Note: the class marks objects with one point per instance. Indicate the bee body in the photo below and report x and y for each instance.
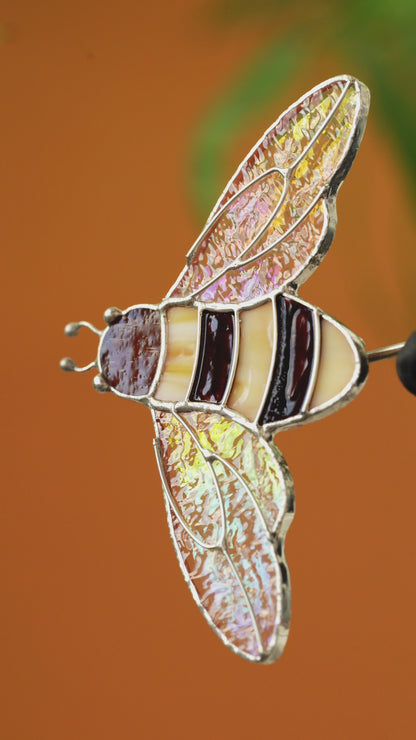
(232, 355)
(273, 364)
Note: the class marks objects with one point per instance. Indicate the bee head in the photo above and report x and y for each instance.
(128, 351)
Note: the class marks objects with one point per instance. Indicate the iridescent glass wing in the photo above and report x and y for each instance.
(276, 218)
(229, 501)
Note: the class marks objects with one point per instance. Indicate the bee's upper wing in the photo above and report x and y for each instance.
(276, 217)
(229, 500)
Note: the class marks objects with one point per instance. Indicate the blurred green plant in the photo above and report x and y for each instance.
(233, 111)
(375, 39)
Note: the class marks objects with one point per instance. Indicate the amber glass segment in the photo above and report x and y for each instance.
(293, 362)
(130, 351)
(337, 364)
(215, 356)
(182, 341)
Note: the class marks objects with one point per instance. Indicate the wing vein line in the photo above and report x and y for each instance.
(236, 264)
(246, 487)
(288, 175)
(247, 600)
(287, 233)
(267, 224)
(224, 545)
(236, 261)
(193, 436)
(239, 262)
(218, 215)
(347, 80)
(173, 504)
(321, 129)
(228, 465)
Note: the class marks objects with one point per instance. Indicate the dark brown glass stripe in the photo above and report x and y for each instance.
(293, 362)
(215, 356)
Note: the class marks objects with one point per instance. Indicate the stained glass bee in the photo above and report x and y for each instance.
(232, 356)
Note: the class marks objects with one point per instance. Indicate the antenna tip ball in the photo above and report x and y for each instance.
(100, 385)
(72, 329)
(67, 364)
(406, 364)
(111, 315)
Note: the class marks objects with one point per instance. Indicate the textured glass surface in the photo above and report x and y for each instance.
(251, 552)
(190, 481)
(238, 584)
(233, 231)
(291, 237)
(284, 143)
(217, 589)
(252, 458)
(130, 351)
(274, 269)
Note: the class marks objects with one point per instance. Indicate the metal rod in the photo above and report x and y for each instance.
(69, 365)
(384, 352)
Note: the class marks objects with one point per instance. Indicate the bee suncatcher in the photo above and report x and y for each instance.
(232, 356)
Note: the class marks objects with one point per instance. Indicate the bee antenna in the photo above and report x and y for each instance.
(69, 365)
(72, 329)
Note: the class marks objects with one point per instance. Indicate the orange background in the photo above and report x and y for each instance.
(101, 638)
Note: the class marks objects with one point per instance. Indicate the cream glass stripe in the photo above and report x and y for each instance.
(336, 365)
(254, 360)
(182, 333)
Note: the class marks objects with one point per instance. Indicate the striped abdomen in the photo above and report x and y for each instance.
(269, 363)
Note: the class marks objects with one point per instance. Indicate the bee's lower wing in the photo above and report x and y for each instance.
(276, 218)
(229, 500)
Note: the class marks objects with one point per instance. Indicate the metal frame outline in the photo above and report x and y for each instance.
(275, 537)
(327, 193)
(264, 433)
